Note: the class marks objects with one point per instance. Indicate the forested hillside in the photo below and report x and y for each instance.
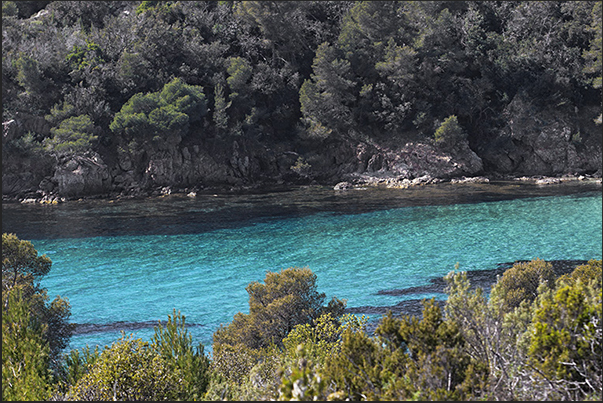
(129, 97)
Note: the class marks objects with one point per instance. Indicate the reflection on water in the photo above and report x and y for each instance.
(128, 263)
(179, 214)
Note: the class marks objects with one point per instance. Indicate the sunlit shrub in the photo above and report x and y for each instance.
(520, 283)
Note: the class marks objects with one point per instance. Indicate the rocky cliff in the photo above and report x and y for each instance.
(540, 140)
(534, 140)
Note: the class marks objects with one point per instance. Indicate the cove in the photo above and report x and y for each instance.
(127, 264)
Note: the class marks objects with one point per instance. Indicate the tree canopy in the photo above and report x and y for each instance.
(292, 71)
(34, 331)
(286, 299)
(537, 336)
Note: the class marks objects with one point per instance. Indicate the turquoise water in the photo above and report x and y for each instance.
(141, 278)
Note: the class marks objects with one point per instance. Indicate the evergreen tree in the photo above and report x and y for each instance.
(25, 352)
(22, 270)
(287, 298)
(175, 345)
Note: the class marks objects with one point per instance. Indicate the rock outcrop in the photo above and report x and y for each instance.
(79, 175)
(372, 163)
(22, 124)
(534, 141)
(539, 140)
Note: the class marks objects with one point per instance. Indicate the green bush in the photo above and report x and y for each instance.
(156, 115)
(128, 370)
(288, 298)
(25, 352)
(565, 345)
(450, 132)
(322, 337)
(81, 57)
(591, 271)
(175, 345)
(521, 282)
(75, 134)
(74, 366)
(22, 270)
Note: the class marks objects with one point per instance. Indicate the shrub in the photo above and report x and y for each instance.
(175, 345)
(73, 135)
(565, 346)
(322, 338)
(25, 352)
(521, 282)
(22, 269)
(74, 366)
(128, 370)
(159, 114)
(585, 273)
(450, 132)
(287, 298)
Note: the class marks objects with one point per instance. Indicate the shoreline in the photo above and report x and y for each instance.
(360, 182)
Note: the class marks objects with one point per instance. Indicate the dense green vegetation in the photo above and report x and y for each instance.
(131, 79)
(112, 76)
(535, 337)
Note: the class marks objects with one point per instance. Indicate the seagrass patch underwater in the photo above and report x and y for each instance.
(129, 264)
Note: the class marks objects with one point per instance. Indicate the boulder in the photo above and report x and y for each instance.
(343, 186)
(81, 175)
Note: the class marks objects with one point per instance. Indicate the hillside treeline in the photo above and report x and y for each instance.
(535, 336)
(128, 79)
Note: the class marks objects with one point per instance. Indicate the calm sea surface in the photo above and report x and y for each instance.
(129, 263)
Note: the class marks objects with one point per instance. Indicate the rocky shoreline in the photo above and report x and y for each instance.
(404, 183)
(358, 182)
(535, 145)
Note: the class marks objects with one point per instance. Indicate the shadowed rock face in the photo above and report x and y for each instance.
(478, 278)
(532, 140)
(539, 140)
(81, 175)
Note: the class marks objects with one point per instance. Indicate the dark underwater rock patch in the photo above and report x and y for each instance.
(478, 278)
(94, 328)
(412, 307)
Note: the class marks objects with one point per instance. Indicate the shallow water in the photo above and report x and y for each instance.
(132, 262)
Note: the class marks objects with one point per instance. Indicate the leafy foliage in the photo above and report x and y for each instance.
(73, 135)
(159, 114)
(297, 73)
(544, 348)
(304, 382)
(250, 351)
(175, 345)
(128, 370)
(521, 282)
(74, 366)
(288, 298)
(168, 367)
(542, 341)
(22, 270)
(321, 338)
(450, 132)
(25, 352)
(566, 346)
(591, 271)
(82, 57)
(21, 264)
